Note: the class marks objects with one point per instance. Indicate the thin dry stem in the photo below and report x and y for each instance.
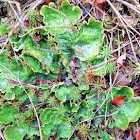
(133, 7)
(136, 3)
(30, 101)
(84, 8)
(122, 21)
(1, 135)
(110, 79)
(32, 7)
(16, 14)
(14, 2)
(105, 116)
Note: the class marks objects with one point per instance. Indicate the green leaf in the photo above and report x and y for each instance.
(64, 17)
(48, 58)
(17, 132)
(10, 70)
(123, 91)
(10, 96)
(38, 56)
(8, 113)
(64, 93)
(105, 136)
(74, 138)
(50, 128)
(35, 65)
(12, 132)
(20, 94)
(74, 107)
(18, 42)
(84, 111)
(88, 41)
(121, 120)
(64, 130)
(85, 43)
(5, 85)
(127, 113)
(47, 115)
(67, 15)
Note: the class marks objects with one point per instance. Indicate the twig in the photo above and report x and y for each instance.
(124, 45)
(36, 28)
(131, 56)
(110, 79)
(102, 102)
(135, 98)
(138, 131)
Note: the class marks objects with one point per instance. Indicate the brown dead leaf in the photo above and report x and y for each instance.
(47, 2)
(118, 100)
(131, 20)
(122, 80)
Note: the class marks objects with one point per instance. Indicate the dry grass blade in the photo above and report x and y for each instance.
(32, 7)
(133, 7)
(1, 135)
(136, 3)
(84, 8)
(123, 21)
(9, 35)
(14, 2)
(39, 125)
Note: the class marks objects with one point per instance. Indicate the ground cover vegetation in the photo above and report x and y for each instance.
(69, 70)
